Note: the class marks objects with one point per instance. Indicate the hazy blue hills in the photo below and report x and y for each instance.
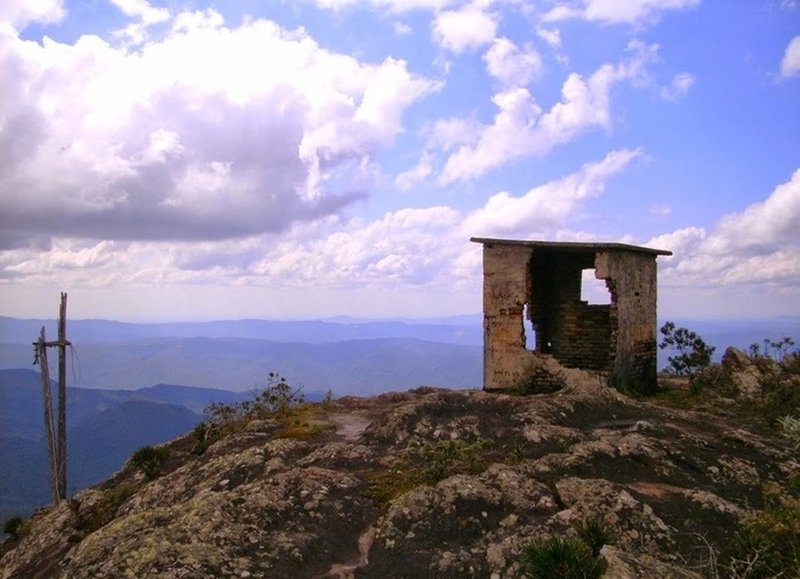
(345, 355)
(106, 425)
(361, 367)
(97, 447)
(104, 428)
(191, 397)
(100, 444)
(21, 401)
(24, 484)
(465, 330)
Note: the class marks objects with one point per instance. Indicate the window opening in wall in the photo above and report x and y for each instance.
(594, 291)
(529, 329)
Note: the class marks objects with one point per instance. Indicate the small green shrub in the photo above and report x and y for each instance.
(385, 485)
(150, 460)
(790, 427)
(564, 557)
(426, 463)
(106, 509)
(203, 437)
(692, 354)
(781, 391)
(777, 350)
(445, 458)
(13, 527)
(277, 396)
(594, 534)
(561, 558)
(273, 399)
(767, 543)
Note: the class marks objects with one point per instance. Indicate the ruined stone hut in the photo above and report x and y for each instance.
(534, 309)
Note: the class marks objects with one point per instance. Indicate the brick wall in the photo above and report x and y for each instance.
(577, 334)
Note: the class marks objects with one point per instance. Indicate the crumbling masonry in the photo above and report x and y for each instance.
(541, 281)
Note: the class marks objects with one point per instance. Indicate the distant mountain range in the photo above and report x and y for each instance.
(362, 367)
(348, 357)
(465, 330)
(105, 428)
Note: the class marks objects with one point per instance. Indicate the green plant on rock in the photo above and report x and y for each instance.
(445, 458)
(302, 422)
(13, 527)
(767, 543)
(594, 534)
(277, 396)
(777, 350)
(790, 427)
(781, 391)
(692, 354)
(386, 484)
(220, 419)
(425, 463)
(561, 558)
(150, 460)
(106, 509)
(566, 557)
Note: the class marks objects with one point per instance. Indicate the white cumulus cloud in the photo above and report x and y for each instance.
(616, 11)
(790, 64)
(20, 13)
(760, 244)
(551, 36)
(142, 9)
(463, 29)
(547, 206)
(521, 129)
(413, 247)
(207, 133)
(763, 226)
(511, 65)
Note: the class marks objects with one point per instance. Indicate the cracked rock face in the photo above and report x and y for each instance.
(428, 483)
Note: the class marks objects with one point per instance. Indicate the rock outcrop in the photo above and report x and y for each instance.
(744, 375)
(427, 483)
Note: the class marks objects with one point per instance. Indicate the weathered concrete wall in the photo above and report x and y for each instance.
(505, 292)
(634, 277)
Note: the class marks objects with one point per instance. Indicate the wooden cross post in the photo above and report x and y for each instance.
(56, 444)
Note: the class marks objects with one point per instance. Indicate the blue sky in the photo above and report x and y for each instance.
(192, 160)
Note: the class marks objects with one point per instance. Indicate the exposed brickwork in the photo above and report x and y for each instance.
(576, 333)
(617, 339)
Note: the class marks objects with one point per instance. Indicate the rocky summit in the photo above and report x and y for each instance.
(426, 483)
